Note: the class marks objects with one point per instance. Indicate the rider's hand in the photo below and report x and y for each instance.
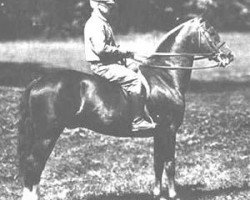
(125, 53)
(129, 54)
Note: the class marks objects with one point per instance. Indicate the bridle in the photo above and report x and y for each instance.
(202, 31)
(216, 47)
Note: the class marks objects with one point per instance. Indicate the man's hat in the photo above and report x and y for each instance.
(103, 1)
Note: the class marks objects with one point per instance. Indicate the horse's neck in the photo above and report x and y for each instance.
(181, 78)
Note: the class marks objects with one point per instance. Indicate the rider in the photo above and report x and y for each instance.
(107, 60)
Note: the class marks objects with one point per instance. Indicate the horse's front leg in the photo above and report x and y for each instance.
(164, 155)
(158, 162)
(170, 162)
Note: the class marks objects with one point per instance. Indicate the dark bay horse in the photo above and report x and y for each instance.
(68, 98)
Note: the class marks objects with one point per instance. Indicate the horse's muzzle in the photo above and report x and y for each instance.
(224, 57)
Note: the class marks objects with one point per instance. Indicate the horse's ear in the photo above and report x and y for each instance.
(198, 21)
(201, 19)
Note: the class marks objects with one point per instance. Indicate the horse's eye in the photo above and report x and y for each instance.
(212, 34)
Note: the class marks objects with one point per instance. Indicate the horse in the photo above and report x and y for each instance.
(68, 98)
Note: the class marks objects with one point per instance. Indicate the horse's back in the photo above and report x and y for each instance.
(71, 96)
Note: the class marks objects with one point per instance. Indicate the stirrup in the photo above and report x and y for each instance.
(148, 115)
(142, 124)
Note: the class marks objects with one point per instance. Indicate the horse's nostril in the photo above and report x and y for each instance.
(231, 56)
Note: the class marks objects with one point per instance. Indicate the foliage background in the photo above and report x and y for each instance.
(25, 19)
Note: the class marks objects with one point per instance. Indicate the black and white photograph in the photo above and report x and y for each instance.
(124, 99)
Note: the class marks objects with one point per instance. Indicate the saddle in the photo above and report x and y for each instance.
(144, 83)
(146, 88)
(135, 67)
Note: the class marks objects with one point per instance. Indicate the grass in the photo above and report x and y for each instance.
(213, 157)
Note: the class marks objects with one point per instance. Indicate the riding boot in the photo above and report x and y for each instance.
(138, 109)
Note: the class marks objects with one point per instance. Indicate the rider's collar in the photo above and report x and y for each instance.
(97, 13)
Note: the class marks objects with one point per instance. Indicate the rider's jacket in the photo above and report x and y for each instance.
(99, 40)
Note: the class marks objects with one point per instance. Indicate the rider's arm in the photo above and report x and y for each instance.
(99, 43)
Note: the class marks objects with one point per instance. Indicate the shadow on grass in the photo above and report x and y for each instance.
(192, 192)
(189, 192)
(133, 196)
(21, 74)
(197, 86)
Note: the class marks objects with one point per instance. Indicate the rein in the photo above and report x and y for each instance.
(200, 56)
(187, 68)
(173, 67)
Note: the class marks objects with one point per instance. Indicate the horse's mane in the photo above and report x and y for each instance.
(169, 38)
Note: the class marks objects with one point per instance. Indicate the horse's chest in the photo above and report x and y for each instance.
(167, 102)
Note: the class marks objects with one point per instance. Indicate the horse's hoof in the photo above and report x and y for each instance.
(31, 195)
(174, 198)
(156, 192)
(172, 195)
(160, 198)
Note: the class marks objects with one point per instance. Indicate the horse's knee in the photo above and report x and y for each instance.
(170, 167)
(31, 162)
(169, 164)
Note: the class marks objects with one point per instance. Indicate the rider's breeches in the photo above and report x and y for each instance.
(128, 79)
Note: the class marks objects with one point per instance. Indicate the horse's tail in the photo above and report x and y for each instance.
(25, 127)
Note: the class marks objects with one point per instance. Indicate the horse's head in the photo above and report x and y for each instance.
(196, 36)
(208, 41)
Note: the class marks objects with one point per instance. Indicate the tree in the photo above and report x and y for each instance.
(66, 18)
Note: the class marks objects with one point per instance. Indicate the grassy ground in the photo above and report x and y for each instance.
(213, 156)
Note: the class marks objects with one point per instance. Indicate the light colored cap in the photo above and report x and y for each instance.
(104, 1)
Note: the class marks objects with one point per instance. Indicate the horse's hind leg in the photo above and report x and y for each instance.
(35, 147)
(164, 156)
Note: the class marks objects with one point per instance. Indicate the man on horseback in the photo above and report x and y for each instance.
(107, 60)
